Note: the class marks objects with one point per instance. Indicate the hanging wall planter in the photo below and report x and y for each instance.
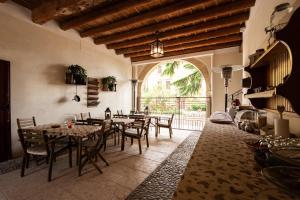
(76, 74)
(109, 83)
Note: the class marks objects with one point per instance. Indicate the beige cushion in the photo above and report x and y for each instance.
(165, 124)
(37, 150)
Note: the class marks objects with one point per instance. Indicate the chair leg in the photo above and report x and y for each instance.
(104, 142)
(140, 146)
(147, 140)
(123, 143)
(131, 141)
(51, 165)
(96, 166)
(70, 156)
(23, 165)
(102, 158)
(115, 138)
(170, 131)
(27, 160)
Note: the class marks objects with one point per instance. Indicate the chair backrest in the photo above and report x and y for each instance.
(26, 122)
(77, 117)
(171, 120)
(85, 116)
(147, 125)
(30, 139)
(139, 124)
(106, 125)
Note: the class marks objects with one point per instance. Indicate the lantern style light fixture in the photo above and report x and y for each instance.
(157, 48)
(107, 113)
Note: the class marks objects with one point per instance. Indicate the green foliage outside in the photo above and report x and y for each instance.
(189, 85)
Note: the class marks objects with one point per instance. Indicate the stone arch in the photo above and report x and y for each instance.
(197, 63)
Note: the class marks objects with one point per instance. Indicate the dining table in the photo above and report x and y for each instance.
(54, 131)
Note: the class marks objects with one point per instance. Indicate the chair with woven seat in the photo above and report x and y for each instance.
(135, 132)
(92, 147)
(38, 144)
(168, 124)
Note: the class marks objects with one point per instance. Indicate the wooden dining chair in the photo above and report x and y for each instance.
(135, 132)
(38, 144)
(168, 124)
(92, 147)
(85, 116)
(26, 122)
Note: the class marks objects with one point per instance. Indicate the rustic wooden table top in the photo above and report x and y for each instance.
(222, 167)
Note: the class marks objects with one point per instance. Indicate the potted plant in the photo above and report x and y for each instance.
(109, 83)
(76, 75)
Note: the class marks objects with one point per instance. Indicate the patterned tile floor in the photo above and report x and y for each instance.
(127, 170)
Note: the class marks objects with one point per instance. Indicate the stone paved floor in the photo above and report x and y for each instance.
(127, 170)
(165, 177)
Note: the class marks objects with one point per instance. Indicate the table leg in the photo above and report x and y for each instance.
(156, 127)
(51, 160)
(79, 149)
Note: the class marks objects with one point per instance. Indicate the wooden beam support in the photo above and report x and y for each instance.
(48, 10)
(100, 13)
(187, 51)
(185, 31)
(147, 16)
(182, 40)
(214, 41)
(218, 11)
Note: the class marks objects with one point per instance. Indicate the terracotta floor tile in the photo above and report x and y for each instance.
(126, 171)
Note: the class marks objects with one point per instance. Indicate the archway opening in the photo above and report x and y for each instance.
(177, 87)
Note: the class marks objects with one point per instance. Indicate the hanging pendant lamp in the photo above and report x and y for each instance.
(157, 48)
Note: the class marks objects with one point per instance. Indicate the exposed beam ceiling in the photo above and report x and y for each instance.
(48, 10)
(218, 40)
(185, 31)
(102, 12)
(163, 11)
(194, 29)
(194, 50)
(218, 11)
(130, 26)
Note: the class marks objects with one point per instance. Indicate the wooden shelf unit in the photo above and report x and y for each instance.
(268, 56)
(279, 68)
(265, 94)
(92, 92)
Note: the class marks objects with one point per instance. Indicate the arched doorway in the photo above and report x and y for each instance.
(178, 87)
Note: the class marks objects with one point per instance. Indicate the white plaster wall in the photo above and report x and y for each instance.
(39, 56)
(254, 38)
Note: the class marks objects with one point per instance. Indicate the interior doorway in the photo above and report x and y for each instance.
(5, 121)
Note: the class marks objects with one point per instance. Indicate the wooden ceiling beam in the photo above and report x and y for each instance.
(198, 28)
(218, 11)
(100, 13)
(48, 10)
(187, 51)
(182, 40)
(214, 41)
(147, 16)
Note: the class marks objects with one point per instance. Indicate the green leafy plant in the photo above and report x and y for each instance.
(109, 83)
(79, 74)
